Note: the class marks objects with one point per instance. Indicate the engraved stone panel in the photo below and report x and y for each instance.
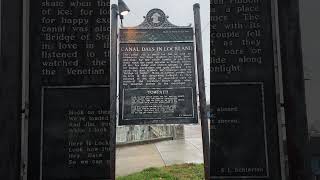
(242, 53)
(70, 133)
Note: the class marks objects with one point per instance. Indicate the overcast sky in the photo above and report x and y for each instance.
(180, 13)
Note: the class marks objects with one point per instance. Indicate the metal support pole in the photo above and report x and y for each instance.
(113, 81)
(294, 91)
(277, 69)
(202, 95)
(25, 90)
(0, 28)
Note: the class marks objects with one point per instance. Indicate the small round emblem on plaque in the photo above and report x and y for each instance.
(156, 17)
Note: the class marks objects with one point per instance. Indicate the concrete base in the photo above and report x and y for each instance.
(131, 159)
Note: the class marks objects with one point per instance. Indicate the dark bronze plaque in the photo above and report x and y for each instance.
(70, 132)
(157, 73)
(157, 83)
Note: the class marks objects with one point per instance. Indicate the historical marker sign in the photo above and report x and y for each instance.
(70, 132)
(157, 72)
(244, 125)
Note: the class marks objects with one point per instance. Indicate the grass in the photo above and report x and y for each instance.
(175, 172)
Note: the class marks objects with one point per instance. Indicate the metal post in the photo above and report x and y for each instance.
(0, 28)
(25, 90)
(277, 66)
(294, 91)
(202, 95)
(113, 81)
